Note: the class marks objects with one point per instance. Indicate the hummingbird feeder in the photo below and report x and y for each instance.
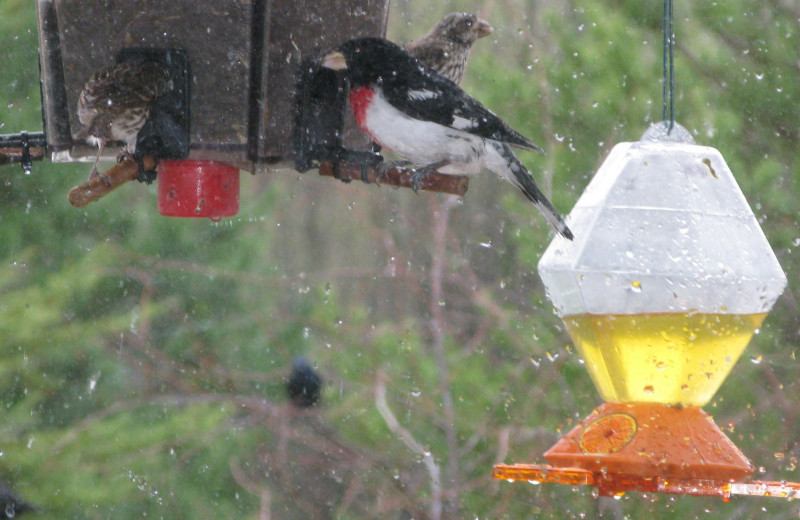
(668, 278)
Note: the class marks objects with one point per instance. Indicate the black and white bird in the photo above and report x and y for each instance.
(446, 47)
(304, 385)
(427, 119)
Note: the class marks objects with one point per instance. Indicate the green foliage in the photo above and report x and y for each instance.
(143, 359)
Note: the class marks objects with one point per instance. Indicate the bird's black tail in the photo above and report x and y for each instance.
(515, 172)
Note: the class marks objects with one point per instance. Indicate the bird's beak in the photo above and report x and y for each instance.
(483, 28)
(334, 60)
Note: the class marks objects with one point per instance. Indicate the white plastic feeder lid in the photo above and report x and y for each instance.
(662, 227)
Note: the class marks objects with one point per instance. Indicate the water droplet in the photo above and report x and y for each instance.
(93, 381)
(636, 286)
(756, 360)
(648, 389)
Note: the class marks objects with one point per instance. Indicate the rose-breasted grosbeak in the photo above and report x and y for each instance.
(446, 47)
(304, 385)
(427, 119)
(116, 101)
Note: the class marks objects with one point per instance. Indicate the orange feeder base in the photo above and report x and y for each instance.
(648, 447)
(650, 439)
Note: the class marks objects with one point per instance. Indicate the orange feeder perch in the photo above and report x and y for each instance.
(668, 278)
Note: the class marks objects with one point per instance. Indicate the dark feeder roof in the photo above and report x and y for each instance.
(243, 59)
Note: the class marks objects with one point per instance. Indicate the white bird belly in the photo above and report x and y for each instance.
(423, 142)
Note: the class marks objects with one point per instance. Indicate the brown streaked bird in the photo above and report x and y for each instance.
(447, 45)
(115, 103)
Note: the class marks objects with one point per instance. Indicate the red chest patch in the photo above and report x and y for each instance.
(360, 99)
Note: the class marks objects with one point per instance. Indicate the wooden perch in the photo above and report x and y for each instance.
(15, 155)
(127, 170)
(454, 184)
(101, 185)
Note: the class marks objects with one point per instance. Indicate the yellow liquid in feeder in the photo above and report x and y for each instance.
(662, 358)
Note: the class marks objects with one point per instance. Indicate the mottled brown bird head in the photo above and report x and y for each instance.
(464, 28)
(446, 47)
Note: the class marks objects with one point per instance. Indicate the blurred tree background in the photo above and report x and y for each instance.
(143, 359)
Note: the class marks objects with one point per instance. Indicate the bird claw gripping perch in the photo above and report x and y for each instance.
(422, 173)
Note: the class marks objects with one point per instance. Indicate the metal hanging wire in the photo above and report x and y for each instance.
(669, 68)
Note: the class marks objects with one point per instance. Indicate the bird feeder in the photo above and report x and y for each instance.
(668, 278)
(240, 62)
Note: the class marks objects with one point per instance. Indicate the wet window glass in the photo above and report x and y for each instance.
(221, 297)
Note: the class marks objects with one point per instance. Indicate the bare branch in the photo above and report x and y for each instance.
(437, 324)
(411, 443)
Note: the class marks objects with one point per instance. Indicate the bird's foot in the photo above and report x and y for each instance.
(124, 155)
(144, 175)
(93, 175)
(339, 154)
(386, 166)
(419, 174)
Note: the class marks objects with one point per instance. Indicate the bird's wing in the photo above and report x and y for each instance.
(427, 52)
(428, 96)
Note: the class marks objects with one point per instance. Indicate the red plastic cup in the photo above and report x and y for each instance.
(197, 189)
